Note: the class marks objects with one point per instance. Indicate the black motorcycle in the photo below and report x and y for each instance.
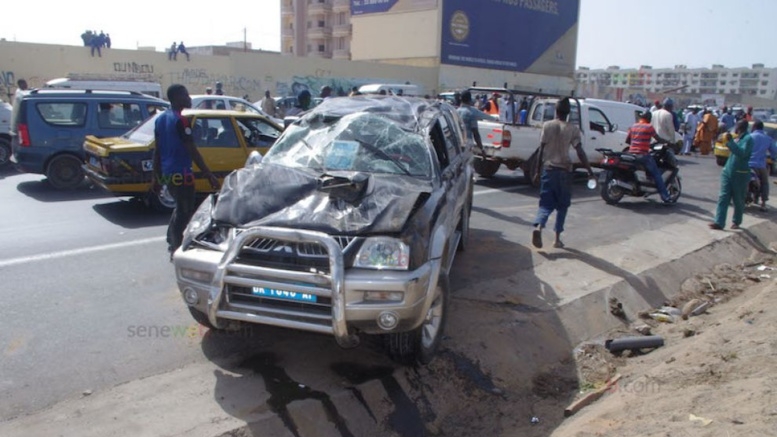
(623, 175)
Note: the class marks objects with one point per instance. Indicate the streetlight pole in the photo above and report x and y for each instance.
(245, 43)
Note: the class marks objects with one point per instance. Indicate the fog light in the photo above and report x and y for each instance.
(388, 320)
(384, 296)
(191, 296)
(197, 275)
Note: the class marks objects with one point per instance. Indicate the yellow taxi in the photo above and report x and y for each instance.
(124, 165)
(722, 152)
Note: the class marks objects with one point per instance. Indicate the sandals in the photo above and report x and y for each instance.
(715, 226)
(536, 238)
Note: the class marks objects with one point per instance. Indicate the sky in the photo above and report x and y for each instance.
(628, 33)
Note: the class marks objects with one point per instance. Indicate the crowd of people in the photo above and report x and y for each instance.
(96, 41)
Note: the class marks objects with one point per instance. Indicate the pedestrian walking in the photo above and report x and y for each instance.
(763, 144)
(734, 178)
(691, 123)
(706, 132)
(268, 104)
(469, 117)
(557, 137)
(173, 156)
(727, 119)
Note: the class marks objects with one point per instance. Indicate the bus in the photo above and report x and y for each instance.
(148, 88)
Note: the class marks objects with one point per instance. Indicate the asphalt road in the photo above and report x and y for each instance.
(87, 290)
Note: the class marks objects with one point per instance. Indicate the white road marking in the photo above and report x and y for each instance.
(499, 190)
(81, 251)
(104, 247)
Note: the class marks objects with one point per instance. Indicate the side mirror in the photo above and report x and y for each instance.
(254, 158)
(613, 127)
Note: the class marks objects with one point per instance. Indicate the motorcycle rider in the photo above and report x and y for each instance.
(638, 139)
(762, 144)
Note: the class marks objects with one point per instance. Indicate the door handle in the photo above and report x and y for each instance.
(593, 138)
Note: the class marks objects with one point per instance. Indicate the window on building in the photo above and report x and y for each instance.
(765, 75)
(735, 74)
(763, 91)
(291, 49)
(764, 82)
(321, 23)
(321, 48)
(341, 18)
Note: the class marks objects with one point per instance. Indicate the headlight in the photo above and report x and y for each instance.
(199, 223)
(383, 253)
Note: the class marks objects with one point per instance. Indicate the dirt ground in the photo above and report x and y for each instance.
(716, 375)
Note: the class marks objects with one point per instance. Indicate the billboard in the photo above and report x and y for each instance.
(363, 7)
(531, 36)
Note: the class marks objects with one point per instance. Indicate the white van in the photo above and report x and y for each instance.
(624, 115)
(148, 88)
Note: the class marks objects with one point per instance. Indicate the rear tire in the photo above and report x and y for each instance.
(420, 344)
(610, 192)
(64, 172)
(485, 168)
(161, 201)
(531, 171)
(5, 152)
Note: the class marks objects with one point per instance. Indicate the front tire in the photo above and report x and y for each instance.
(64, 172)
(675, 189)
(162, 201)
(485, 168)
(611, 192)
(420, 344)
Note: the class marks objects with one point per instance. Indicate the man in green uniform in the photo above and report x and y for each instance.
(734, 178)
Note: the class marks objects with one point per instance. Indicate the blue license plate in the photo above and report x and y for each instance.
(283, 295)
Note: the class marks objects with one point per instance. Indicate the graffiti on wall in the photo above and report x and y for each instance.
(197, 79)
(7, 83)
(133, 68)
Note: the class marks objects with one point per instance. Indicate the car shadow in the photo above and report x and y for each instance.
(131, 214)
(8, 171)
(42, 191)
(504, 350)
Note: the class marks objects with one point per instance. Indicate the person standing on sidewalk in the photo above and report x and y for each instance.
(734, 178)
(556, 182)
(173, 156)
(691, 122)
(762, 145)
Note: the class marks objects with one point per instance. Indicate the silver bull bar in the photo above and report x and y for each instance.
(242, 272)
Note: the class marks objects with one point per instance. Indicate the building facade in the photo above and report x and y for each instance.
(735, 84)
(316, 28)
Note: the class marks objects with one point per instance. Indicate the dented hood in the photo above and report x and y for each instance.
(340, 203)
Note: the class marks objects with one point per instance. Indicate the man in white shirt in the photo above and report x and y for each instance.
(663, 120)
(22, 86)
(268, 104)
(691, 121)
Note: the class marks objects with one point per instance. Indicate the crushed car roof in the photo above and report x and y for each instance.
(410, 113)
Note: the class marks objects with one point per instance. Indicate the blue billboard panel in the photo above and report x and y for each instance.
(508, 34)
(359, 7)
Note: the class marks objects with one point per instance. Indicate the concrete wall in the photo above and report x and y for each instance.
(241, 72)
(452, 77)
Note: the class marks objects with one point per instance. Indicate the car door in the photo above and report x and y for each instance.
(451, 163)
(221, 148)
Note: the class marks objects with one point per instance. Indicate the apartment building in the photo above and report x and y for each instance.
(316, 28)
(756, 81)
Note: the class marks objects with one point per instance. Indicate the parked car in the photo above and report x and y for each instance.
(5, 133)
(722, 153)
(348, 226)
(283, 104)
(214, 101)
(51, 124)
(123, 165)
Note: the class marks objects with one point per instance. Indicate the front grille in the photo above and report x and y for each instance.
(281, 268)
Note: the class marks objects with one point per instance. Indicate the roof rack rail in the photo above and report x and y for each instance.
(87, 91)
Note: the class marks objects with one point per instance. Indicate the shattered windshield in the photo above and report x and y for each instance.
(361, 141)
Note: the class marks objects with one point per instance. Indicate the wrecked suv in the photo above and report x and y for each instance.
(349, 225)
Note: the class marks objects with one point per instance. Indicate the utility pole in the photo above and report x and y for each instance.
(245, 43)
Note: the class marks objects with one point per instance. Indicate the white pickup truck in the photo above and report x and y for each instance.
(515, 145)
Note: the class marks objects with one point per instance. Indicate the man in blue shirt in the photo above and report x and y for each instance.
(173, 156)
(470, 116)
(727, 118)
(762, 144)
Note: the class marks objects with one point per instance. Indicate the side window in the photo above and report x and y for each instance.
(537, 113)
(258, 133)
(242, 107)
(118, 115)
(451, 142)
(63, 114)
(549, 112)
(598, 120)
(636, 116)
(214, 132)
(154, 109)
(440, 149)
